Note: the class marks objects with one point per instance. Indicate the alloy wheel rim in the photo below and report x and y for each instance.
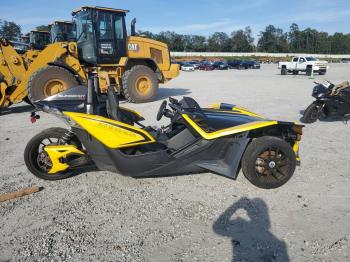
(272, 164)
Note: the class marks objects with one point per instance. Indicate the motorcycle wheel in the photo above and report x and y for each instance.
(36, 158)
(268, 162)
(311, 114)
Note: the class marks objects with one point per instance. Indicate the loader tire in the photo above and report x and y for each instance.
(49, 81)
(140, 84)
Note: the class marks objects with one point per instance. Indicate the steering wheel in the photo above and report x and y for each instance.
(161, 110)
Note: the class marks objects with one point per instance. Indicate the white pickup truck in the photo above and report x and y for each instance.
(303, 64)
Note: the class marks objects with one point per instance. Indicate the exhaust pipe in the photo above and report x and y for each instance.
(133, 30)
(90, 97)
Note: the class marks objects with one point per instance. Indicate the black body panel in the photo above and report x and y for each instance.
(220, 156)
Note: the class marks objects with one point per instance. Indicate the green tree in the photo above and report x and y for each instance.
(242, 41)
(219, 42)
(10, 30)
(273, 40)
(174, 41)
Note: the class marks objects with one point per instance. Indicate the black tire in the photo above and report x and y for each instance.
(38, 81)
(312, 113)
(283, 71)
(32, 151)
(322, 73)
(263, 152)
(309, 71)
(129, 85)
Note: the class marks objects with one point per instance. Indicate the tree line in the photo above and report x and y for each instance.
(271, 40)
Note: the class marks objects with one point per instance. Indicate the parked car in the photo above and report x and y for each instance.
(195, 64)
(187, 67)
(303, 64)
(220, 65)
(178, 62)
(250, 64)
(234, 64)
(206, 66)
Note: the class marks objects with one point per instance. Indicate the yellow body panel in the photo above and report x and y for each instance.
(139, 47)
(173, 72)
(296, 150)
(58, 152)
(111, 133)
(230, 130)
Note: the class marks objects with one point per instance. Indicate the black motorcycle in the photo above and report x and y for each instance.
(331, 101)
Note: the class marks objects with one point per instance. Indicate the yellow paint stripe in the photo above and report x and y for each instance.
(215, 106)
(246, 112)
(230, 130)
(132, 111)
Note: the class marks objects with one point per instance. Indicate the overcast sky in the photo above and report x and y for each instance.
(194, 16)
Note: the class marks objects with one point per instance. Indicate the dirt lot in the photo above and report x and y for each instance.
(204, 217)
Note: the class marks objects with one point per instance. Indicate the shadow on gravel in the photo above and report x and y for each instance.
(16, 110)
(247, 223)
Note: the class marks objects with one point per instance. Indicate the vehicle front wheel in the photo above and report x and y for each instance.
(36, 158)
(312, 113)
(140, 84)
(268, 162)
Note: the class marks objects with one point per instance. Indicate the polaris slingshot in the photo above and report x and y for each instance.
(221, 139)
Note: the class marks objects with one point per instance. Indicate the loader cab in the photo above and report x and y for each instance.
(101, 34)
(62, 31)
(38, 40)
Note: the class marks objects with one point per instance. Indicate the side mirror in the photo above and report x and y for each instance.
(133, 30)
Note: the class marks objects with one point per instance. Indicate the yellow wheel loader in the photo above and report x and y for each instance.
(133, 65)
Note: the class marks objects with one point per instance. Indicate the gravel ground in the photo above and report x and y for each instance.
(202, 217)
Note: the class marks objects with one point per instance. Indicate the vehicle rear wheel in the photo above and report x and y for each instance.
(309, 71)
(140, 84)
(48, 81)
(321, 73)
(36, 158)
(268, 162)
(283, 71)
(312, 113)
